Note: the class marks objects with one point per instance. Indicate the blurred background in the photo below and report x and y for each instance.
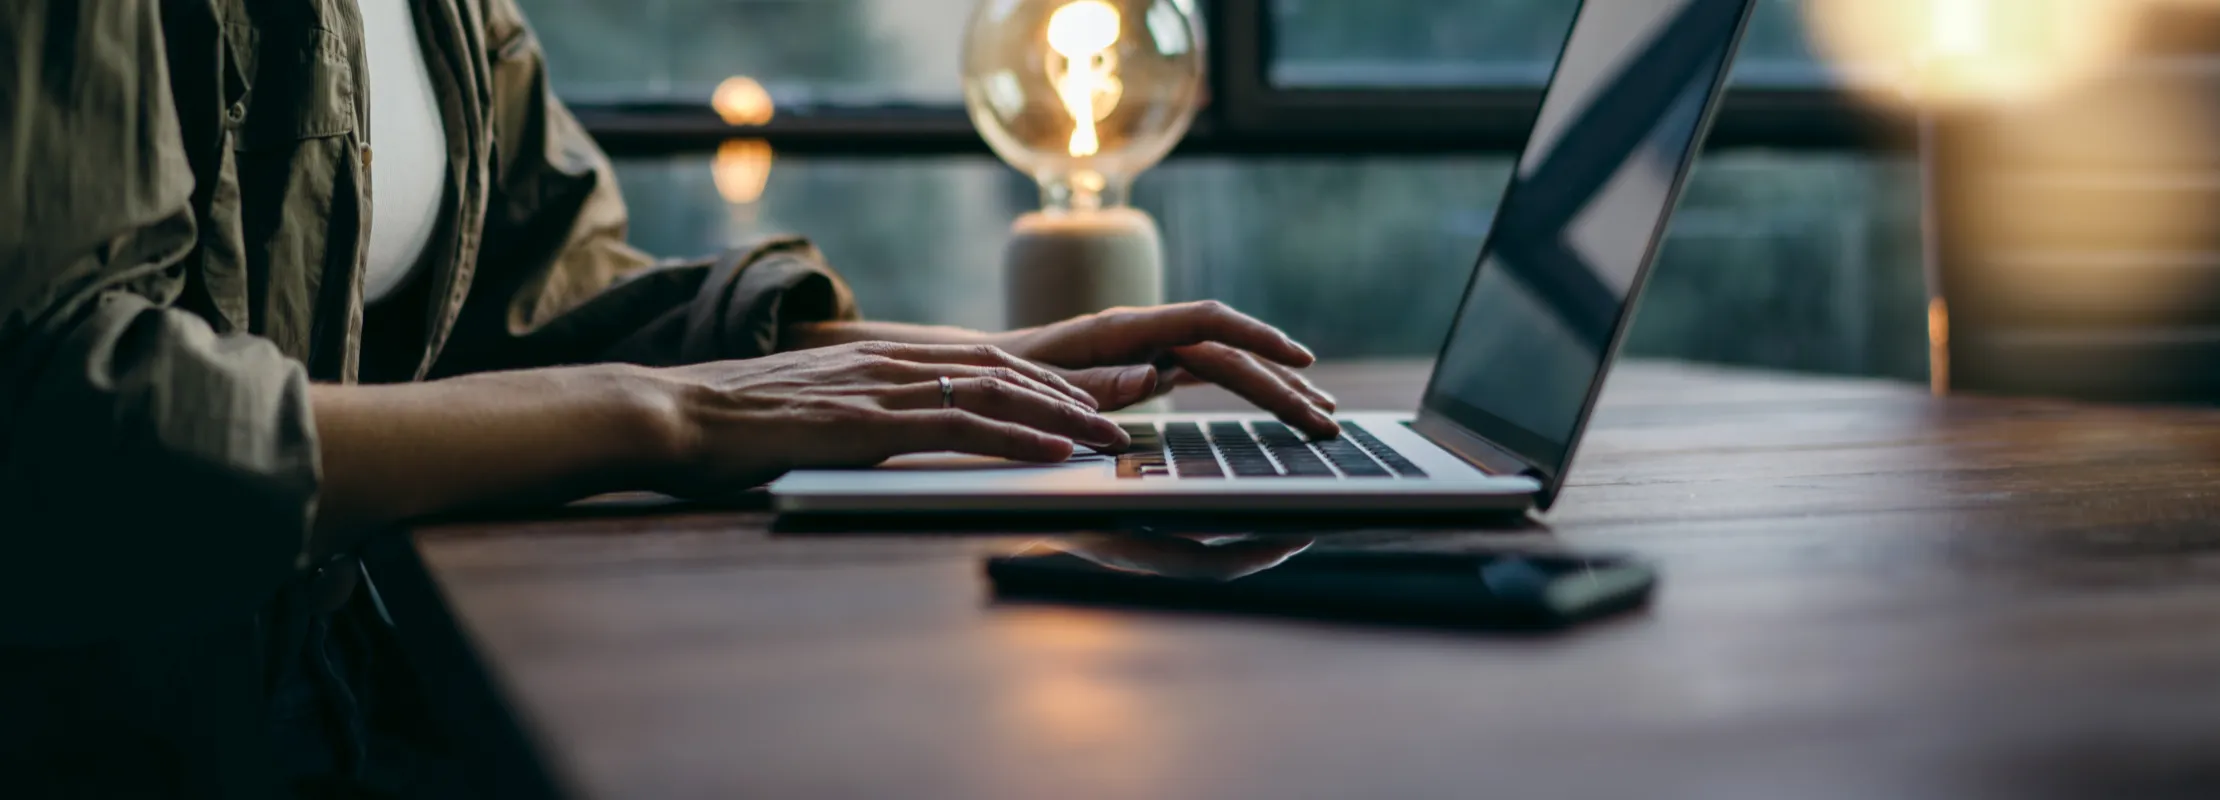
(1339, 185)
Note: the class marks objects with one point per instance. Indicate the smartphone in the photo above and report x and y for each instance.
(1501, 590)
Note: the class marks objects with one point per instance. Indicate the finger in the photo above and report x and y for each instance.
(1144, 330)
(1011, 402)
(911, 372)
(1173, 378)
(1240, 373)
(957, 430)
(1116, 387)
(990, 356)
(1293, 377)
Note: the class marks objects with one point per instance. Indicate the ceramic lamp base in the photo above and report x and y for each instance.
(1069, 264)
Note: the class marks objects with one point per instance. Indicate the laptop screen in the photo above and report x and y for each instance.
(1581, 218)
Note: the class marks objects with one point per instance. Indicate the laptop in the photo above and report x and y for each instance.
(1544, 311)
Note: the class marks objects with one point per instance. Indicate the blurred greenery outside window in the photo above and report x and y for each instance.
(1796, 260)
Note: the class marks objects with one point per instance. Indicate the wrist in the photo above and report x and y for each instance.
(1017, 343)
(649, 411)
(811, 335)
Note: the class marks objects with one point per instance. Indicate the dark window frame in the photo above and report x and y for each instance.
(1250, 116)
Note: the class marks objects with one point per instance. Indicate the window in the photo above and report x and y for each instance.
(1405, 44)
(807, 52)
(1785, 254)
(863, 51)
(1794, 261)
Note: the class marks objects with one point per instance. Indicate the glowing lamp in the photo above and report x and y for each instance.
(742, 167)
(1949, 53)
(1082, 95)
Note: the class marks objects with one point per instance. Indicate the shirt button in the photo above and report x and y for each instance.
(237, 113)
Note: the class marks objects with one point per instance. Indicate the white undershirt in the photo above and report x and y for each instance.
(408, 141)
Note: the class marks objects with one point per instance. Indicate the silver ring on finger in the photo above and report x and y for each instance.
(947, 392)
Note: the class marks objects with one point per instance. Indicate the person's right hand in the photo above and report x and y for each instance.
(742, 423)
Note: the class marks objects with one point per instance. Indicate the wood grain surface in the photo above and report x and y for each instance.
(1867, 592)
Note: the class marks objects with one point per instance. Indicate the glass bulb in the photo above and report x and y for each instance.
(1083, 95)
(1971, 52)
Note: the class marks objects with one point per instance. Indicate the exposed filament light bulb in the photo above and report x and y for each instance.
(1940, 54)
(1961, 27)
(1084, 68)
(1082, 96)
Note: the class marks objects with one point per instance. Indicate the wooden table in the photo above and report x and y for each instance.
(1868, 593)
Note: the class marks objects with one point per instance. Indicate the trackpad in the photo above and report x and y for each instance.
(961, 462)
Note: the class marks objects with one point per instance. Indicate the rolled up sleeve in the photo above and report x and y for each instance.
(154, 475)
(736, 305)
(558, 284)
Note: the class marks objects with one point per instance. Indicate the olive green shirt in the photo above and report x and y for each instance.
(183, 208)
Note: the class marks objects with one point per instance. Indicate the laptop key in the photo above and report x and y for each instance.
(1401, 465)
(1351, 460)
(1274, 433)
(1291, 456)
(1199, 472)
(1135, 469)
(1185, 455)
(1263, 449)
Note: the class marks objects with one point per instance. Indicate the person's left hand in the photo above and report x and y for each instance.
(1124, 356)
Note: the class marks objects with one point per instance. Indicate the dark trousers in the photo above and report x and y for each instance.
(352, 719)
(310, 698)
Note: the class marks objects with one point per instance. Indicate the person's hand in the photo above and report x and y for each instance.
(1124, 356)
(741, 423)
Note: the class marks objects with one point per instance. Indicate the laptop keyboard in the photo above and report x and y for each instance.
(1238, 450)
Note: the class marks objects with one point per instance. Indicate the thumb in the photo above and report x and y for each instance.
(1116, 387)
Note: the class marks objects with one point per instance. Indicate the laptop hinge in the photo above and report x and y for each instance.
(1476, 450)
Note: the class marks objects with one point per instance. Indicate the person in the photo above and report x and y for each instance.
(277, 274)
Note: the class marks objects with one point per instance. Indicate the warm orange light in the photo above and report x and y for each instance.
(1051, 630)
(1955, 52)
(1084, 68)
(1062, 694)
(1938, 323)
(2081, 200)
(1938, 346)
(740, 100)
(742, 169)
(1083, 93)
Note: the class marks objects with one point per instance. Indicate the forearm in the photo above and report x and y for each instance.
(495, 440)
